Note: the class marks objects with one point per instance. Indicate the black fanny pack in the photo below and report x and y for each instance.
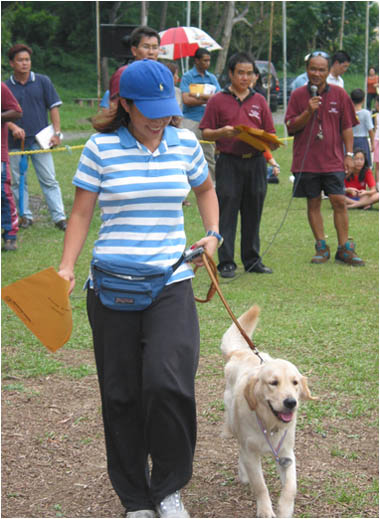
(130, 286)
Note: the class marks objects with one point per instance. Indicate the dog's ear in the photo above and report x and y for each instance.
(305, 391)
(249, 393)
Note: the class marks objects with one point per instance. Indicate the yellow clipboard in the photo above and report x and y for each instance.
(42, 303)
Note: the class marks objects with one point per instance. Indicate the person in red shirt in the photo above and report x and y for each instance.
(372, 86)
(10, 111)
(241, 171)
(321, 117)
(357, 195)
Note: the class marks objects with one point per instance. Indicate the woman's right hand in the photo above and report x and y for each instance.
(68, 274)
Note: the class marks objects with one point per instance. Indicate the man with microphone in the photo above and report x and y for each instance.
(321, 117)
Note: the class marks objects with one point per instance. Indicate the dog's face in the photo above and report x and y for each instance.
(276, 390)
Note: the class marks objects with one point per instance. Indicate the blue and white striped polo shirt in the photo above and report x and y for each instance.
(141, 195)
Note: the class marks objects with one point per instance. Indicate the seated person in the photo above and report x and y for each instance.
(357, 196)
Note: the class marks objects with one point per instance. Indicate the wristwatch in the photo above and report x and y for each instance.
(349, 154)
(59, 134)
(217, 236)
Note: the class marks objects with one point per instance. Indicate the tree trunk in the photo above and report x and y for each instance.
(216, 33)
(226, 38)
(164, 12)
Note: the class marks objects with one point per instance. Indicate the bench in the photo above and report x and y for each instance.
(90, 101)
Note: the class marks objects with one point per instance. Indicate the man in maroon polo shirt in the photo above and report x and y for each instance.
(241, 171)
(321, 117)
(145, 44)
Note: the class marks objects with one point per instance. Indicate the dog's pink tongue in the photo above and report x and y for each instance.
(286, 417)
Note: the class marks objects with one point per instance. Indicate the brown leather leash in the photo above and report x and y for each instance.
(214, 287)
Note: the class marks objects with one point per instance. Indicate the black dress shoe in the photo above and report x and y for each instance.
(227, 270)
(260, 269)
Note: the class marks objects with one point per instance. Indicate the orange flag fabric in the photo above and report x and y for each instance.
(42, 303)
(258, 139)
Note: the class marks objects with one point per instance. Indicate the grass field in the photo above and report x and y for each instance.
(322, 317)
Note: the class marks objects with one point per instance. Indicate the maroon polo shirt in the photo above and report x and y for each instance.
(335, 114)
(225, 109)
(8, 102)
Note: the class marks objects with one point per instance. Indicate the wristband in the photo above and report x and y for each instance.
(217, 236)
(349, 154)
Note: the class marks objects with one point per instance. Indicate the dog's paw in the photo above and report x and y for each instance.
(265, 511)
(285, 511)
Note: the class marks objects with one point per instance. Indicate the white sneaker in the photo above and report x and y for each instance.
(172, 506)
(142, 513)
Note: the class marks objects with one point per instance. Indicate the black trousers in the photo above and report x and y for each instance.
(146, 364)
(241, 186)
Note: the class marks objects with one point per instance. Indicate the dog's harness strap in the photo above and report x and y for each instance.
(274, 451)
(213, 273)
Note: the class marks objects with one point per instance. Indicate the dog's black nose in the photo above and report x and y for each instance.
(290, 403)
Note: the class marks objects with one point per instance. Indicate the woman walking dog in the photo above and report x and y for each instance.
(140, 169)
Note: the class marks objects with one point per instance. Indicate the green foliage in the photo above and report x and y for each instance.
(61, 32)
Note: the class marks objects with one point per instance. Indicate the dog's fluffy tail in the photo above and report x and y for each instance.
(233, 340)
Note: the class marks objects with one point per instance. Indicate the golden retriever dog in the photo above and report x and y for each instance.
(261, 401)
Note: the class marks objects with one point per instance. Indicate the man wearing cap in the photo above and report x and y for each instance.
(241, 171)
(140, 169)
(37, 96)
(321, 117)
(145, 44)
(194, 102)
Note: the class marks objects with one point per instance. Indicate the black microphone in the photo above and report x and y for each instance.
(314, 90)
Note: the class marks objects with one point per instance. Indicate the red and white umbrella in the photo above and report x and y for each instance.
(180, 42)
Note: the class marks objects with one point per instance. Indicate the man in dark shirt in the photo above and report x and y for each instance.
(37, 96)
(241, 171)
(321, 117)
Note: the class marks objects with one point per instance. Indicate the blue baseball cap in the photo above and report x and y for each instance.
(150, 85)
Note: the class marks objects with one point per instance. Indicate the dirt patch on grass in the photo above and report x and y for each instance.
(54, 461)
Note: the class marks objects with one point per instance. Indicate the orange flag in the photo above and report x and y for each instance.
(42, 303)
(258, 139)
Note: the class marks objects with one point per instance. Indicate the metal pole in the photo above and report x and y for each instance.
(342, 26)
(200, 14)
(188, 22)
(366, 53)
(285, 63)
(98, 49)
(270, 52)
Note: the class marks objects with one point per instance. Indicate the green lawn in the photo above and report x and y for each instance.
(324, 318)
